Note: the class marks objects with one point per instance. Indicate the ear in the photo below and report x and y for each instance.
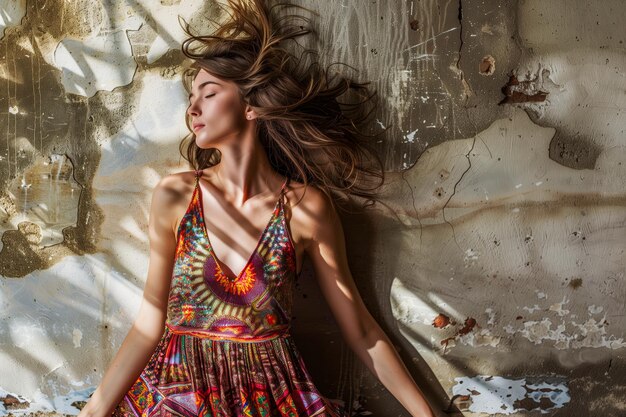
(250, 113)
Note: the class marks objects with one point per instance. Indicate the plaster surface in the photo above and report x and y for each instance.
(496, 267)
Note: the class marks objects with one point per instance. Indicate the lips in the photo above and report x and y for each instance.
(197, 126)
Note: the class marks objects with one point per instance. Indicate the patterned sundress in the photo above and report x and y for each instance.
(226, 350)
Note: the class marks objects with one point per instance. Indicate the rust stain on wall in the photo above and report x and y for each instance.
(516, 91)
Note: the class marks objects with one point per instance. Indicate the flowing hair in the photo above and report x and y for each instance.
(309, 135)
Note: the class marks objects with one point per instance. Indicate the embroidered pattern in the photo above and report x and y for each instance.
(226, 350)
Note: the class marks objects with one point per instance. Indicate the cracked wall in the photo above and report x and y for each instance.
(511, 257)
(501, 284)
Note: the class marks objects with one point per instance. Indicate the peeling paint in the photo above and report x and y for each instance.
(591, 333)
(46, 195)
(411, 136)
(409, 308)
(168, 32)
(531, 309)
(501, 254)
(593, 309)
(523, 91)
(499, 395)
(487, 66)
(509, 206)
(11, 401)
(77, 337)
(100, 63)
(135, 143)
(558, 307)
(441, 321)
(104, 59)
(492, 316)
(69, 404)
(11, 12)
(41, 204)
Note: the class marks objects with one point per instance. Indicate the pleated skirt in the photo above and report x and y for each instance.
(193, 376)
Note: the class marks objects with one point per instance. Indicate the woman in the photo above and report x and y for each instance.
(220, 273)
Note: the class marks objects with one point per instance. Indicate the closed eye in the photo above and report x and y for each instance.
(204, 97)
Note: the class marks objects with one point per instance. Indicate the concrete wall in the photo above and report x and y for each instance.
(501, 280)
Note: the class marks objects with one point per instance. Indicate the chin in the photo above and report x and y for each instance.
(205, 143)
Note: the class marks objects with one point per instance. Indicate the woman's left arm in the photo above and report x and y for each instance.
(325, 247)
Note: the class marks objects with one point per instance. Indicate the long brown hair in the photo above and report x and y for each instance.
(309, 135)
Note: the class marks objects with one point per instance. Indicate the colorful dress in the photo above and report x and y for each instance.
(226, 350)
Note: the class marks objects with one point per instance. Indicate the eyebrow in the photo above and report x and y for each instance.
(203, 84)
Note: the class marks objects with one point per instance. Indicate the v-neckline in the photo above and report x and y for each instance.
(218, 261)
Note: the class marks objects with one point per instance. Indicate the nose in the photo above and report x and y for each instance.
(192, 109)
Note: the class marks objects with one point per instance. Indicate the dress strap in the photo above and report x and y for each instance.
(198, 175)
(284, 187)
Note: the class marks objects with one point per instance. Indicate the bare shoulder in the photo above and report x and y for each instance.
(311, 210)
(170, 197)
(173, 187)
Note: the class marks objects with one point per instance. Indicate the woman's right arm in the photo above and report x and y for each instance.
(148, 327)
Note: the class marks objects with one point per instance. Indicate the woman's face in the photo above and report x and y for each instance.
(217, 114)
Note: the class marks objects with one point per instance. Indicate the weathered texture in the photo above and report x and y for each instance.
(12, 13)
(500, 281)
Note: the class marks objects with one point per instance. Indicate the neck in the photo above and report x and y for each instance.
(245, 172)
